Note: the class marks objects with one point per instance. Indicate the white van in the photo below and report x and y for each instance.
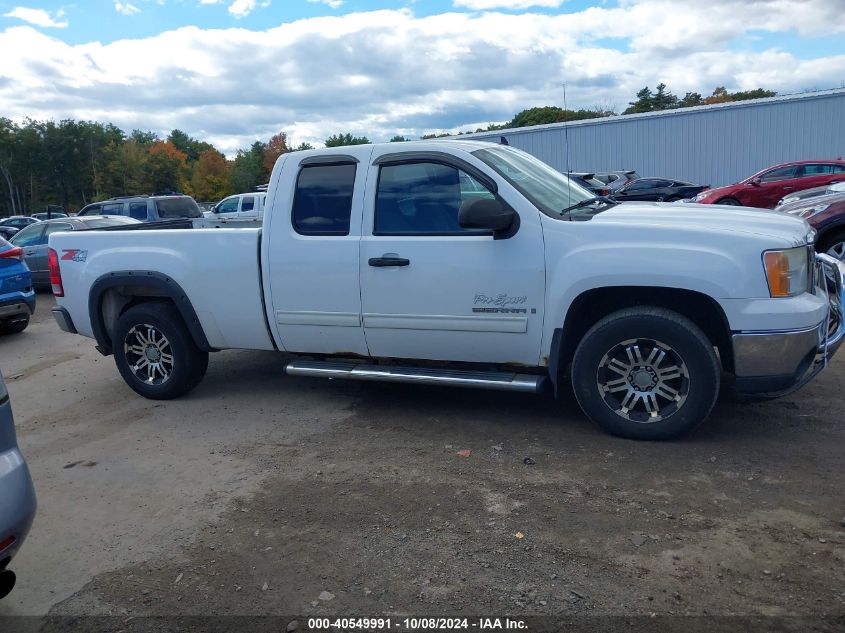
(241, 205)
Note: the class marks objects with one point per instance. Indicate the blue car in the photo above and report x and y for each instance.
(17, 495)
(17, 296)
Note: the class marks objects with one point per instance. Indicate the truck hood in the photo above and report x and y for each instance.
(710, 218)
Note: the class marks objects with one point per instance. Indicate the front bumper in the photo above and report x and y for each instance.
(777, 363)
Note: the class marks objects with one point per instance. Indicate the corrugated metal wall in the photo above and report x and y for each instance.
(713, 145)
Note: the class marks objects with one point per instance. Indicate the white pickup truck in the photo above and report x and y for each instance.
(467, 264)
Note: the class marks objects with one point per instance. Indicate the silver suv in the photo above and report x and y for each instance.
(152, 208)
(17, 496)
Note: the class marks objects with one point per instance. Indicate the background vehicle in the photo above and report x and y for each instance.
(241, 205)
(11, 225)
(49, 215)
(535, 283)
(766, 188)
(616, 179)
(588, 182)
(657, 190)
(146, 208)
(33, 240)
(838, 187)
(826, 214)
(17, 495)
(17, 297)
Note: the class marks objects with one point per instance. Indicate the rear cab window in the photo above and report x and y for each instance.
(322, 202)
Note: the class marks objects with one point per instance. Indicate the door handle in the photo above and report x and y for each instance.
(382, 262)
(788, 188)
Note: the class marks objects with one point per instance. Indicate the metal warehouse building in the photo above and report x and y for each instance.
(713, 145)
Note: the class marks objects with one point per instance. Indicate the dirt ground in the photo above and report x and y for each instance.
(261, 494)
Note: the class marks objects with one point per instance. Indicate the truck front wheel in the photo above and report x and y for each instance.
(154, 352)
(646, 373)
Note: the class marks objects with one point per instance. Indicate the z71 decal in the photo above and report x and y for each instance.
(74, 255)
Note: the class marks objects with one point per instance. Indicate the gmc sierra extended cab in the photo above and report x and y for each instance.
(467, 264)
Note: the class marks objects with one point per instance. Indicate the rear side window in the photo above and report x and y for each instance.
(817, 170)
(184, 207)
(248, 203)
(54, 228)
(322, 202)
(138, 210)
(29, 236)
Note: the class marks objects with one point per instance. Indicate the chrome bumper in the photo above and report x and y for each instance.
(778, 363)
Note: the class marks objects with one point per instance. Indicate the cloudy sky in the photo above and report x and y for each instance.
(235, 71)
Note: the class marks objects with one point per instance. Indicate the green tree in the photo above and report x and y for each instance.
(399, 139)
(339, 140)
(248, 169)
(191, 147)
(302, 147)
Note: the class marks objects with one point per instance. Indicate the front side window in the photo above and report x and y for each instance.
(229, 205)
(322, 202)
(423, 198)
(112, 209)
(546, 188)
(248, 203)
(781, 173)
(30, 236)
(54, 228)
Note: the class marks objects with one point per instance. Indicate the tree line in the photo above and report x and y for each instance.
(72, 163)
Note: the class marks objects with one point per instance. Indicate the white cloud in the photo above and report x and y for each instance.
(126, 8)
(334, 4)
(241, 8)
(382, 73)
(38, 17)
(486, 5)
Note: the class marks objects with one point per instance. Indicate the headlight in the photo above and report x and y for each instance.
(806, 213)
(702, 195)
(787, 271)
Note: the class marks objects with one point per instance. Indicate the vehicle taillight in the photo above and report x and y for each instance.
(604, 192)
(55, 273)
(16, 252)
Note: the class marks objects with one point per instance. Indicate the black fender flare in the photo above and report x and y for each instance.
(162, 285)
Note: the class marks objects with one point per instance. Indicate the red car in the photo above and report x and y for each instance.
(765, 188)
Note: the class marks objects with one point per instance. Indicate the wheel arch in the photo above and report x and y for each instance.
(591, 305)
(114, 293)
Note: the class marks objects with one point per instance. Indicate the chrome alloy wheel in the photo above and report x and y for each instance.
(148, 354)
(643, 380)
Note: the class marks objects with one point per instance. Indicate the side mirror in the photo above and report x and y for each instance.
(486, 213)
(756, 182)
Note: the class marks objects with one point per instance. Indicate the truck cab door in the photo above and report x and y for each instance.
(431, 289)
(247, 208)
(312, 233)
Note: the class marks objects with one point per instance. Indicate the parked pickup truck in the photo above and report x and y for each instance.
(467, 264)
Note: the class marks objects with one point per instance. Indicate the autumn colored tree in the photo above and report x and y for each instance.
(210, 178)
(274, 148)
(166, 167)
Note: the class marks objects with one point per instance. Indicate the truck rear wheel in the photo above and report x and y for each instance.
(646, 373)
(155, 354)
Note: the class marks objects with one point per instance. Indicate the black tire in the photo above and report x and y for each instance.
(163, 327)
(833, 245)
(15, 325)
(732, 202)
(690, 353)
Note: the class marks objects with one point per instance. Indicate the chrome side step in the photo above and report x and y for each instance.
(505, 381)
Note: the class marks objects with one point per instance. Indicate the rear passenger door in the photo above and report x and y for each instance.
(312, 229)
(248, 207)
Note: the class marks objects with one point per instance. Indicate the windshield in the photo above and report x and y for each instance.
(548, 189)
(183, 207)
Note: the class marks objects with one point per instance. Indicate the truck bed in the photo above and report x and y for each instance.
(217, 268)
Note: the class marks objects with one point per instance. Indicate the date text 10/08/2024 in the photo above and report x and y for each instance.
(413, 624)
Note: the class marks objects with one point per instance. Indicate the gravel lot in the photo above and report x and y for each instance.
(265, 494)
